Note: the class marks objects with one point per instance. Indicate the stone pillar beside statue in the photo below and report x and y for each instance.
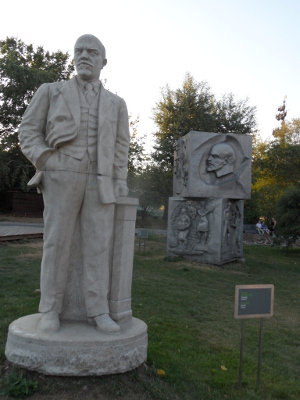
(212, 176)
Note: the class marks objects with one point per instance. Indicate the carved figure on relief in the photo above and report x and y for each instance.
(191, 227)
(235, 225)
(180, 164)
(183, 224)
(231, 228)
(203, 225)
(226, 230)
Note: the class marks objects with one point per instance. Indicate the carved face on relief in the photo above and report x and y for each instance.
(221, 159)
(89, 57)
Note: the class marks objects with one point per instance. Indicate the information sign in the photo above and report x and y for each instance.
(254, 301)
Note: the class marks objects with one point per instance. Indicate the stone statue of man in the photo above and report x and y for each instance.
(76, 134)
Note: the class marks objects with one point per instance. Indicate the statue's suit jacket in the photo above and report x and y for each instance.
(52, 119)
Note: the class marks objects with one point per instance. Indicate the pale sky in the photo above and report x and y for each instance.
(249, 48)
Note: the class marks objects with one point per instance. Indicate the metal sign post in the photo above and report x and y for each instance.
(259, 352)
(241, 354)
(253, 301)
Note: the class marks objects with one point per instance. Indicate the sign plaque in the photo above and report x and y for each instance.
(254, 301)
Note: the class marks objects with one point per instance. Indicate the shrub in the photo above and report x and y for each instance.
(288, 216)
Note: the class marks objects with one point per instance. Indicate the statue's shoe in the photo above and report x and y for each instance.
(49, 322)
(106, 325)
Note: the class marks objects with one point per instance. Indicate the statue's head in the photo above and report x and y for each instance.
(221, 159)
(89, 57)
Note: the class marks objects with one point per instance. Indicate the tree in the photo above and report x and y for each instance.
(289, 132)
(4, 171)
(136, 154)
(288, 215)
(193, 107)
(142, 174)
(15, 169)
(275, 168)
(149, 186)
(23, 69)
(252, 211)
(143, 177)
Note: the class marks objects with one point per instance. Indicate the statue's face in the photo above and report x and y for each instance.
(89, 58)
(214, 161)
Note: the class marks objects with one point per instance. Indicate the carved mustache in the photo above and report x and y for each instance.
(83, 62)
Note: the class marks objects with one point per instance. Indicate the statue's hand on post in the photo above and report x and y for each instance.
(120, 188)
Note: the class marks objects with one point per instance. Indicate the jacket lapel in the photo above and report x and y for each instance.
(104, 107)
(69, 90)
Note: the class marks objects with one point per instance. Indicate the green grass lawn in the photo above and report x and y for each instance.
(189, 309)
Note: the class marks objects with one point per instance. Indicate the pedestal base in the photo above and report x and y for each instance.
(77, 349)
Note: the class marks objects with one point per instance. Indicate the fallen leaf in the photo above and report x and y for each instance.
(223, 368)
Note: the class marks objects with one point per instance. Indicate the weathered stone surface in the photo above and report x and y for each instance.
(78, 349)
(122, 264)
(76, 133)
(121, 267)
(207, 230)
(213, 165)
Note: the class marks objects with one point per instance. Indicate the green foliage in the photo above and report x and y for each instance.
(288, 215)
(288, 132)
(275, 168)
(252, 209)
(22, 70)
(143, 177)
(4, 171)
(152, 185)
(15, 169)
(136, 154)
(191, 107)
(16, 385)
(194, 108)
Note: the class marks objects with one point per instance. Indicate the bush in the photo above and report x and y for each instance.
(288, 216)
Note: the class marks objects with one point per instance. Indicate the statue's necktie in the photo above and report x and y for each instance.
(89, 93)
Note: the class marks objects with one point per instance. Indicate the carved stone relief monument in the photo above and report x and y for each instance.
(212, 165)
(212, 174)
(76, 133)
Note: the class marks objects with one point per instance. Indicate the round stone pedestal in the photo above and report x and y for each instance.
(77, 349)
